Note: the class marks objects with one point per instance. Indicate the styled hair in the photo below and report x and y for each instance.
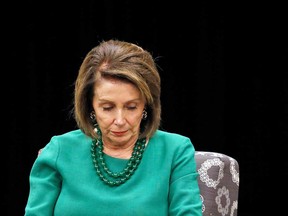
(118, 60)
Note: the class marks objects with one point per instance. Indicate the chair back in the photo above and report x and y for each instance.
(218, 182)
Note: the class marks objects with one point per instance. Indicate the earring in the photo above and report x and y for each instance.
(144, 115)
(94, 122)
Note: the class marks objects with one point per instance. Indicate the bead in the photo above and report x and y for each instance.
(106, 175)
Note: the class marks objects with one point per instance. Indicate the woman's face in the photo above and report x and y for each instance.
(118, 106)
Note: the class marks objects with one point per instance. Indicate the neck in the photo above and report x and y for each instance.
(119, 151)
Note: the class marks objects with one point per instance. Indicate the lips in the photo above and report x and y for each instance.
(119, 133)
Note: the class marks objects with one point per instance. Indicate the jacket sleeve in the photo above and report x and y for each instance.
(45, 182)
(184, 195)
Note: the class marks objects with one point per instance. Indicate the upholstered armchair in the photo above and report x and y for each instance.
(218, 182)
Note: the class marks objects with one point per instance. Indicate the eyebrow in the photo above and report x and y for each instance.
(129, 101)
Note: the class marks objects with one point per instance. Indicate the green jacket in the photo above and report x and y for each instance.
(64, 182)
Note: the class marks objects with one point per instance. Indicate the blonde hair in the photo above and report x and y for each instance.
(120, 60)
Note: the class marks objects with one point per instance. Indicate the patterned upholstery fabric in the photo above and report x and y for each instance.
(218, 182)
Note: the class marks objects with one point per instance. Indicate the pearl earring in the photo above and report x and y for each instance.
(94, 122)
(144, 115)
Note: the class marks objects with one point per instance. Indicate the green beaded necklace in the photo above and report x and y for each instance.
(105, 174)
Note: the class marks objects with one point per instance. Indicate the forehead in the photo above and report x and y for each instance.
(116, 89)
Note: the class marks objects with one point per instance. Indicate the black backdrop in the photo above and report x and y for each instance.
(223, 72)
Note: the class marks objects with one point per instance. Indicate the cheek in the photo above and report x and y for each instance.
(134, 119)
(104, 119)
(104, 124)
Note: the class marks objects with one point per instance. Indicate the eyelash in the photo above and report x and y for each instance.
(107, 108)
(110, 108)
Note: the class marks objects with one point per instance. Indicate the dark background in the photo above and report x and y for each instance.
(224, 82)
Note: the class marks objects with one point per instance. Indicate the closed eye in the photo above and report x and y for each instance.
(107, 108)
(131, 108)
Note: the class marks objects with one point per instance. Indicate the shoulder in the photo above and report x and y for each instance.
(171, 137)
(69, 140)
(172, 145)
(172, 141)
(74, 135)
(72, 139)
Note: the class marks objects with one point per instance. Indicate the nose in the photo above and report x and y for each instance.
(119, 118)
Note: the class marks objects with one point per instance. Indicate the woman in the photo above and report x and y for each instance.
(118, 162)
